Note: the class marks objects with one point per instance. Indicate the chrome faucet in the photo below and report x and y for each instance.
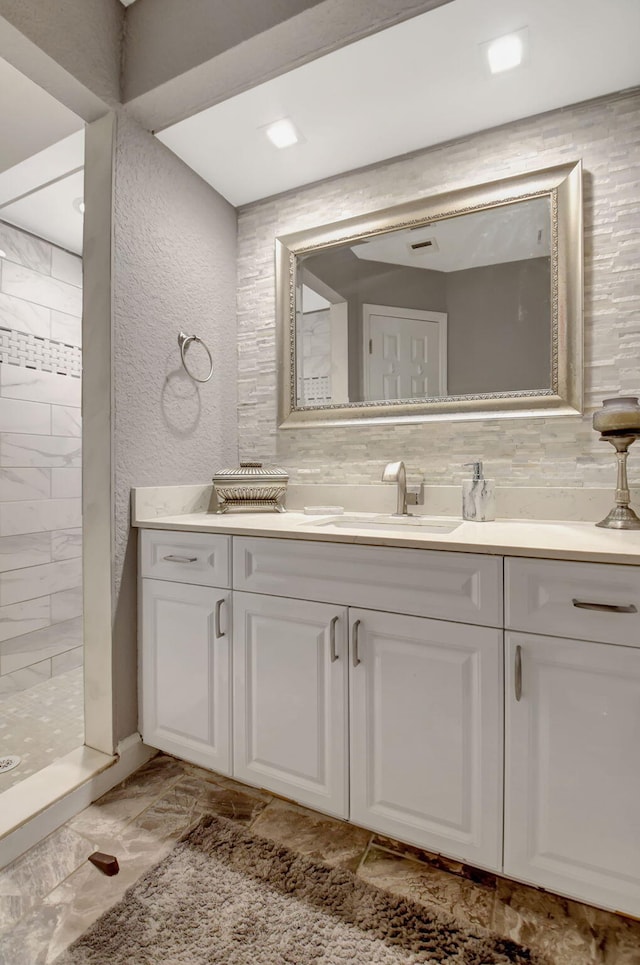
(395, 472)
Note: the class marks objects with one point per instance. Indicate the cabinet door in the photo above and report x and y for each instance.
(572, 804)
(290, 699)
(186, 681)
(426, 733)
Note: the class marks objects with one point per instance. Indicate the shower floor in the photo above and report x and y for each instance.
(41, 724)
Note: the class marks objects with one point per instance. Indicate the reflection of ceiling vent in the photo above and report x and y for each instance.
(427, 244)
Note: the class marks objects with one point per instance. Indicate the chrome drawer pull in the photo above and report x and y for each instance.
(605, 607)
(518, 673)
(354, 643)
(218, 628)
(332, 639)
(180, 559)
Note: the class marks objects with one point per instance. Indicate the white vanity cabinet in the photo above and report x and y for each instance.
(185, 657)
(389, 686)
(290, 699)
(426, 733)
(572, 768)
(425, 712)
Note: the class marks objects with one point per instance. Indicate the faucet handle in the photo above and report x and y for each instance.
(392, 471)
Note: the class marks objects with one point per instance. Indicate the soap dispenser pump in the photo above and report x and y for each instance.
(478, 496)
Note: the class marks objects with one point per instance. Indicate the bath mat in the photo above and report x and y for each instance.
(227, 897)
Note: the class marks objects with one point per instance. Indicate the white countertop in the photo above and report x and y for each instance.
(505, 537)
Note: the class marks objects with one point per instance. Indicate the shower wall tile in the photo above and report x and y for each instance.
(42, 451)
(39, 516)
(68, 660)
(25, 249)
(66, 267)
(24, 484)
(37, 386)
(21, 618)
(42, 290)
(24, 677)
(66, 328)
(65, 421)
(20, 551)
(66, 605)
(66, 483)
(33, 648)
(66, 544)
(36, 581)
(27, 417)
(24, 316)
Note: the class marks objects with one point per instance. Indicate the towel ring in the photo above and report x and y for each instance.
(183, 342)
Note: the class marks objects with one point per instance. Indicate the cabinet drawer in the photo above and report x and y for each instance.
(463, 587)
(200, 558)
(588, 601)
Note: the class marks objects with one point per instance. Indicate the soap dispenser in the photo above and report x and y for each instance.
(478, 496)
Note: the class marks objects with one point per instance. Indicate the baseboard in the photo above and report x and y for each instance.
(40, 804)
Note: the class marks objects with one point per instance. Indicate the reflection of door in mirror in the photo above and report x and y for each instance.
(406, 353)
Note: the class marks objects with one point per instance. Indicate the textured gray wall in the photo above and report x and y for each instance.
(174, 269)
(536, 452)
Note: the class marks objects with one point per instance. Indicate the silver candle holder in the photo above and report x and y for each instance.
(618, 423)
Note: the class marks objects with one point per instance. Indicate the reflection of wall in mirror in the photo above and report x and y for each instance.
(499, 328)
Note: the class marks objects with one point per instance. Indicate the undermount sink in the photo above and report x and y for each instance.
(421, 524)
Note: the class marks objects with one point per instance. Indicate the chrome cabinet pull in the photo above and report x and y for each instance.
(354, 643)
(218, 628)
(332, 639)
(180, 559)
(605, 607)
(518, 673)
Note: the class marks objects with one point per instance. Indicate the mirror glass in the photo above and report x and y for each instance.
(469, 302)
(455, 307)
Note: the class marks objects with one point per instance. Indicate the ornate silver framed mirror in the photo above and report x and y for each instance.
(464, 305)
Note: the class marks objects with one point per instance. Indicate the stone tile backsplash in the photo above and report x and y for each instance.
(537, 452)
(40, 460)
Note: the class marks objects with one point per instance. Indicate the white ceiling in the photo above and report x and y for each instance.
(419, 83)
(50, 213)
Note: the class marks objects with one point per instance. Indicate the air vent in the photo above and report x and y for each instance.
(427, 244)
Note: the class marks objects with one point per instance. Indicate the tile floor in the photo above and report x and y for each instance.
(41, 724)
(52, 894)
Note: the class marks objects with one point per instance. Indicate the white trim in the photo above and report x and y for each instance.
(43, 802)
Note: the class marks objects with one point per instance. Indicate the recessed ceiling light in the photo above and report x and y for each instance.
(283, 133)
(506, 52)
(78, 204)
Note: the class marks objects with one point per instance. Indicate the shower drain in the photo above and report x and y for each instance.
(8, 763)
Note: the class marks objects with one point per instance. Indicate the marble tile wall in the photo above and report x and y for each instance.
(40, 460)
(538, 452)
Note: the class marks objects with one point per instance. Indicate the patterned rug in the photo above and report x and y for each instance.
(227, 897)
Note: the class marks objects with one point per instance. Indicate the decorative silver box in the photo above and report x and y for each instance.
(250, 488)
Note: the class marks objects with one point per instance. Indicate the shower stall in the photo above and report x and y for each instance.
(41, 641)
